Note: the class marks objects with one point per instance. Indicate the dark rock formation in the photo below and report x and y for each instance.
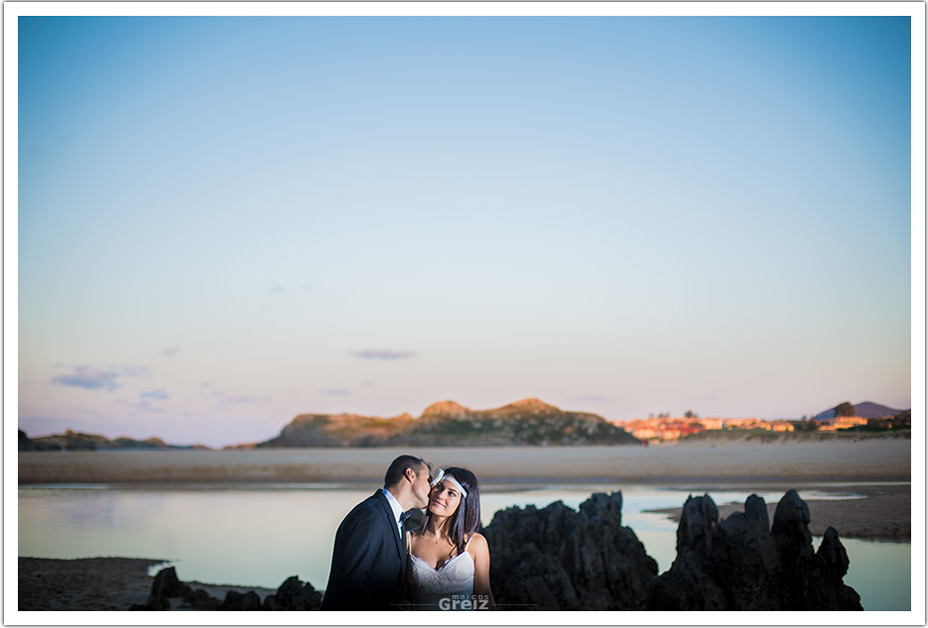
(151, 605)
(28, 444)
(165, 585)
(200, 600)
(235, 601)
(743, 564)
(294, 595)
(560, 559)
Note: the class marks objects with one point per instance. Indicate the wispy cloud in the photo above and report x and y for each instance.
(135, 371)
(383, 354)
(145, 405)
(159, 393)
(241, 399)
(335, 392)
(228, 400)
(88, 378)
(170, 353)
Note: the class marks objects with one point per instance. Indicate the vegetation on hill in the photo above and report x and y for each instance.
(78, 441)
(28, 444)
(526, 422)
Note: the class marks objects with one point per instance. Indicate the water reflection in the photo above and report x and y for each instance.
(260, 534)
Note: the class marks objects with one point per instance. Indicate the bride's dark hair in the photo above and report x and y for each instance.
(466, 519)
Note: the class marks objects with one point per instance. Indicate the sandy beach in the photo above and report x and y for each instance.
(744, 461)
(882, 511)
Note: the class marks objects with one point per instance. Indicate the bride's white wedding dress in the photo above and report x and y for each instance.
(429, 586)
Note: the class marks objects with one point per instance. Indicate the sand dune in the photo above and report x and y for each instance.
(873, 459)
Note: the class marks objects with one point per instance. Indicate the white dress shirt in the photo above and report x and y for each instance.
(397, 509)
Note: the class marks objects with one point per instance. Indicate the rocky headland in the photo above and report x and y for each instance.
(446, 423)
(525, 422)
(79, 441)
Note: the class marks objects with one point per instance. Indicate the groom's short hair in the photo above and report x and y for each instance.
(398, 468)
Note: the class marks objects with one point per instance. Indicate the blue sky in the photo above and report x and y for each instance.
(224, 222)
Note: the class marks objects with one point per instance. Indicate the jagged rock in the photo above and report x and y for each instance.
(152, 605)
(560, 559)
(248, 601)
(201, 600)
(744, 544)
(791, 527)
(834, 563)
(294, 595)
(688, 584)
(165, 585)
(740, 564)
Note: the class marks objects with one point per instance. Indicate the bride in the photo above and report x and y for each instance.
(449, 561)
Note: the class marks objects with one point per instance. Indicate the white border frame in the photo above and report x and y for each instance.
(12, 10)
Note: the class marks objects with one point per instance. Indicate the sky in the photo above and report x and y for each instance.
(226, 222)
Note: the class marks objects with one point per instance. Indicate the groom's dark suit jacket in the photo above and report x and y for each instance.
(369, 559)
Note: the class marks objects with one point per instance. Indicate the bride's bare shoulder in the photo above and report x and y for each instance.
(477, 544)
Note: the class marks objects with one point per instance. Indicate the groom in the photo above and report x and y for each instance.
(369, 559)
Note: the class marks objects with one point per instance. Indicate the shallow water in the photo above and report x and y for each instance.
(260, 534)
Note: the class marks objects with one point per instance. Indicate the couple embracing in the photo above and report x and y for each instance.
(443, 564)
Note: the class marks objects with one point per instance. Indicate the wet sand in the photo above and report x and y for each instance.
(744, 461)
(96, 584)
(883, 513)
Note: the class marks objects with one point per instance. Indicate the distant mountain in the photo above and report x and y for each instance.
(866, 410)
(77, 441)
(446, 423)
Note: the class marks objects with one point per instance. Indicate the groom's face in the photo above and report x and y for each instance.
(421, 487)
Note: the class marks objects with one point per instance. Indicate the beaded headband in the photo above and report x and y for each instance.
(448, 478)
